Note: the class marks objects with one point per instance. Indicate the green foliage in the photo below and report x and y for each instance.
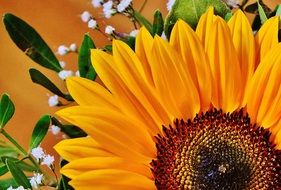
(17, 173)
(84, 59)
(143, 21)
(158, 23)
(30, 42)
(7, 110)
(39, 131)
(191, 10)
(6, 183)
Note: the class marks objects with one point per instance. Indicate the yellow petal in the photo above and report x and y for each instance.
(267, 37)
(143, 47)
(264, 92)
(80, 166)
(72, 149)
(172, 82)
(224, 64)
(106, 178)
(135, 96)
(244, 43)
(90, 93)
(114, 131)
(204, 25)
(195, 62)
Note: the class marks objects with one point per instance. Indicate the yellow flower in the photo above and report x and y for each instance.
(183, 114)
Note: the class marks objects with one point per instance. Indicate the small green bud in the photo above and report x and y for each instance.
(191, 10)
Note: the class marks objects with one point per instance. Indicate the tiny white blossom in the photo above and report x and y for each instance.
(97, 3)
(109, 29)
(134, 33)
(53, 100)
(63, 50)
(19, 188)
(77, 73)
(55, 129)
(92, 24)
(163, 36)
(85, 16)
(62, 64)
(170, 4)
(48, 160)
(36, 180)
(65, 73)
(108, 11)
(233, 3)
(73, 47)
(37, 153)
(123, 5)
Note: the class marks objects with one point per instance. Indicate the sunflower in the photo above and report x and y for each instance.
(200, 111)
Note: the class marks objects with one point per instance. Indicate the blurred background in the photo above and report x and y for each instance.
(58, 22)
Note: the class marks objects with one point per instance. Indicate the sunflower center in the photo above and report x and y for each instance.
(216, 151)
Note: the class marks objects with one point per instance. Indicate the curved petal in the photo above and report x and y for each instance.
(90, 93)
(112, 178)
(186, 42)
(80, 166)
(143, 47)
(72, 149)
(264, 92)
(266, 38)
(121, 134)
(172, 82)
(244, 43)
(224, 64)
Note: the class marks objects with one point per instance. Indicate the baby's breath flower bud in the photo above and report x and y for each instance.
(92, 24)
(36, 180)
(48, 160)
(134, 33)
(53, 100)
(37, 153)
(73, 47)
(170, 4)
(65, 73)
(123, 5)
(108, 11)
(63, 50)
(55, 129)
(97, 3)
(62, 64)
(109, 29)
(85, 16)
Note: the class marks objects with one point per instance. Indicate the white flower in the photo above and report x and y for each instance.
(77, 73)
(109, 29)
(123, 5)
(163, 36)
(36, 180)
(62, 64)
(63, 50)
(97, 3)
(37, 153)
(19, 188)
(85, 16)
(65, 73)
(134, 33)
(233, 3)
(48, 160)
(73, 47)
(170, 4)
(55, 129)
(53, 100)
(107, 9)
(92, 24)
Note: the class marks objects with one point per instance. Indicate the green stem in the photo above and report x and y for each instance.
(24, 153)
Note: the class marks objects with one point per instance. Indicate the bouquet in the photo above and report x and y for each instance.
(189, 99)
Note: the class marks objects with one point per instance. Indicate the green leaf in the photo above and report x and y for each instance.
(20, 163)
(84, 59)
(262, 13)
(191, 10)
(70, 130)
(39, 78)
(18, 175)
(7, 150)
(130, 40)
(108, 48)
(6, 183)
(3, 169)
(7, 110)
(143, 21)
(278, 10)
(30, 42)
(39, 131)
(158, 23)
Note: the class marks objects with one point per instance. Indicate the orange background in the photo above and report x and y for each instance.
(58, 22)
